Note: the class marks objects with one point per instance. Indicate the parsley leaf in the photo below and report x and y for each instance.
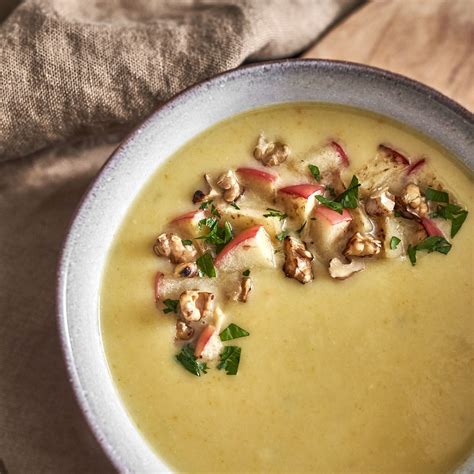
(275, 213)
(282, 235)
(394, 241)
(433, 243)
(315, 172)
(189, 361)
(205, 204)
(335, 206)
(435, 195)
(187, 242)
(229, 360)
(214, 211)
(350, 197)
(456, 214)
(246, 273)
(234, 205)
(218, 235)
(171, 306)
(232, 331)
(206, 266)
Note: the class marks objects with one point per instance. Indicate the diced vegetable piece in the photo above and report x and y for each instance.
(171, 287)
(251, 248)
(203, 339)
(342, 154)
(299, 200)
(360, 221)
(188, 223)
(257, 176)
(158, 279)
(395, 155)
(415, 167)
(432, 228)
(331, 216)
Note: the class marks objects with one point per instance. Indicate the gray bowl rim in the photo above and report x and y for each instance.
(276, 65)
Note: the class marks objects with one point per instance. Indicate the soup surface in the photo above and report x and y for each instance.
(370, 374)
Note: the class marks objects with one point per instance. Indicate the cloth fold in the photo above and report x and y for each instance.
(73, 67)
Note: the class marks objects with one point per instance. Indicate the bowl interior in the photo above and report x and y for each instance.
(104, 207)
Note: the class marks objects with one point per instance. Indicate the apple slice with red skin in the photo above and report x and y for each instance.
(299, 200)
(341, 152)
(431, 228)
(415, 167)
(327, 230)
(203, 339)
(171, 286)
(258, 181)
(395, 155)
(250, 248)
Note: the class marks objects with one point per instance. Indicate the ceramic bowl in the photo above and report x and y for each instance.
(104, 206)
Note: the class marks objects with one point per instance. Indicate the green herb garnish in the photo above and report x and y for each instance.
(315, 172)
(335, 206)
(229, 360)
(189, 361)
(209, 222)
(457, 215)
(275, 213)
(187, 242)
(215, 212)
(246, 273)
(171, 306)
(350, 197)
(234, 205)
(282, 235)
(394, 241)
(205, 204)
(435, 195)
(206, 266)
(430, 244)
(218, 235)
(232, 331)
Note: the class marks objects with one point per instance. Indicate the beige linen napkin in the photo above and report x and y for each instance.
(77, 67)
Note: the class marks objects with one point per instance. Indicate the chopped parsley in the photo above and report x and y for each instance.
(218, 235)
(275, 213)
(335, 206)
(206, 266)
(282, 235)
(435, 195)
(205, 204)
(229, 360)
(394, 241)
(246, 273)
(430, 244)
(350, 197)
(315, 172)
(234, 205)
(189, 361)
(457, 215)
(232, 331)
(187, 242)
(171, 306)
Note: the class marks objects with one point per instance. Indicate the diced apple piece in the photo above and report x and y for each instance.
(259, 181)
(415, 167)
(209, 344)
(170, 287)
(392, 227)
(394, 155)
(436, 227)
(382, 172)
(341, 152)
(188, 223)
(251, 248)
(327, 231)
(361, 221)
(299, 200)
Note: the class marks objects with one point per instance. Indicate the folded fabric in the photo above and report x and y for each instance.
(73, 68)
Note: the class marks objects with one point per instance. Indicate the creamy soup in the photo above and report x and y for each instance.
(371, 373)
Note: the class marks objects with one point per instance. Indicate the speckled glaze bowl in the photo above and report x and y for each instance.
(167, 129)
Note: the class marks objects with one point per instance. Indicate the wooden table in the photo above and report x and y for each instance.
(431, 41)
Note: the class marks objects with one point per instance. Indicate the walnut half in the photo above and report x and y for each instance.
(297, 260)
(195, 305)
(270, 153)
(171, 246)
(362, 245)
(413, 200)
(232, 188)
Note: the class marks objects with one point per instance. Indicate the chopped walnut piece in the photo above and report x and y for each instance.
(381, 203)
(413, 200)
(171, 246)
(297, 260)
(195, 305)
(228, 181)
(341, 271)
(186, 270)
(198, 197)
(362, 245)
(184, 332)
(270, 153)
(245, 287)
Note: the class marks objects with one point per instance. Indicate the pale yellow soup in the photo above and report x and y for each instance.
(371, 374)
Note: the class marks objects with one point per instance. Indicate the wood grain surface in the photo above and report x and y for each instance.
(431, 41)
